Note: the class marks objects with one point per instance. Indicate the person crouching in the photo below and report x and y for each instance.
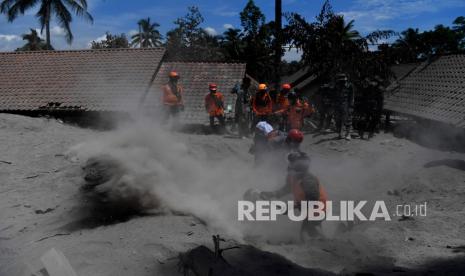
(304, 186)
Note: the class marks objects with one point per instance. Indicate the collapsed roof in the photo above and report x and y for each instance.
(91, 80)
(106, 80)
(434, 91)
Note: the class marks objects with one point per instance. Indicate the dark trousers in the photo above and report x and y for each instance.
(369, 122)
(343, 120)
(326, 116)
(220, 119)
(171, 111)
(242, 122)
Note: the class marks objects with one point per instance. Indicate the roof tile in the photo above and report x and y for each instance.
(90, 79)
(434, 91)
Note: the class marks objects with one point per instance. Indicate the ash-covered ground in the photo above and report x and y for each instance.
(195, 180)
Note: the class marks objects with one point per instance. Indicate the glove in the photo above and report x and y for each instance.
(267, 195)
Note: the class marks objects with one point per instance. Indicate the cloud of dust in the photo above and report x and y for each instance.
(156, 168)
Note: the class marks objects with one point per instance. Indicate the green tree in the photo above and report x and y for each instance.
(331, 45)
(188, 41)
(252, 19)
(148, 35)
(257, 38)
(414, 46)
(34, 42)
(459, 28)
(111, 41)
(441, 40)
(233, 45)
(48, 8)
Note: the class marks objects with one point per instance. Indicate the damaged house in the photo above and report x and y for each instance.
(114, 82)
(433, 91)
(431, 97)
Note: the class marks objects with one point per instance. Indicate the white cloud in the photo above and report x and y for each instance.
(101, 38)
(9, 38)
(374, 14)
(133, 32)
(228, 26)
(224, 11)
(211, 31)
(292, 55)
(98, 39)
(57, 31)
(9, 42)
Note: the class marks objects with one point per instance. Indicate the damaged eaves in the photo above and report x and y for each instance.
(111, 80)
(435, 90)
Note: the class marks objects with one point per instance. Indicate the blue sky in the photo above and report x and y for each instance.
(120, 16)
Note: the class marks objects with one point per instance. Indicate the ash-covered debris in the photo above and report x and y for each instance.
(111, 184)
(244, 260)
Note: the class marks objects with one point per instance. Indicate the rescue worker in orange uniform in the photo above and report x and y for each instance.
(282, 105)
(274, 118)
(304, 186)
(297, 111)
(214, 105)
(262, 105)
(172, 99)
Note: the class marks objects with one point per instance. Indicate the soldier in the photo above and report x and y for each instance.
(242, 108)
(326, 106)
(343, 105)
(372, 106)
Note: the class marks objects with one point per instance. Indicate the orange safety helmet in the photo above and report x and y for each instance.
(286, 86)
(173, 74)
(262, 86)
(212, 86)
(295, 136)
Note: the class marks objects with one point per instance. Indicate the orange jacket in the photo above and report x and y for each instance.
(170, 98)
(282, 104)
(214, 104)
(299, 193)
(262, 104)
(296, 114)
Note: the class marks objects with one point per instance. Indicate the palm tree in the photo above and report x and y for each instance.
(233, 44)
(60, 9)
(148, 35)
(343, 31)
(34, 42)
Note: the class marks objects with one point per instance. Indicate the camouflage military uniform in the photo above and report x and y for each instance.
(343, 107)
(326, 106)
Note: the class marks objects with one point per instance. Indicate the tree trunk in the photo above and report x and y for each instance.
(47, 33)
(140, 37)
(278, 42)
(47, 28)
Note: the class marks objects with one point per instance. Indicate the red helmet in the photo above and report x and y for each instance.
(295, 136)
(173, 74)
(286, 86)
(262, 86)
(212, 86)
